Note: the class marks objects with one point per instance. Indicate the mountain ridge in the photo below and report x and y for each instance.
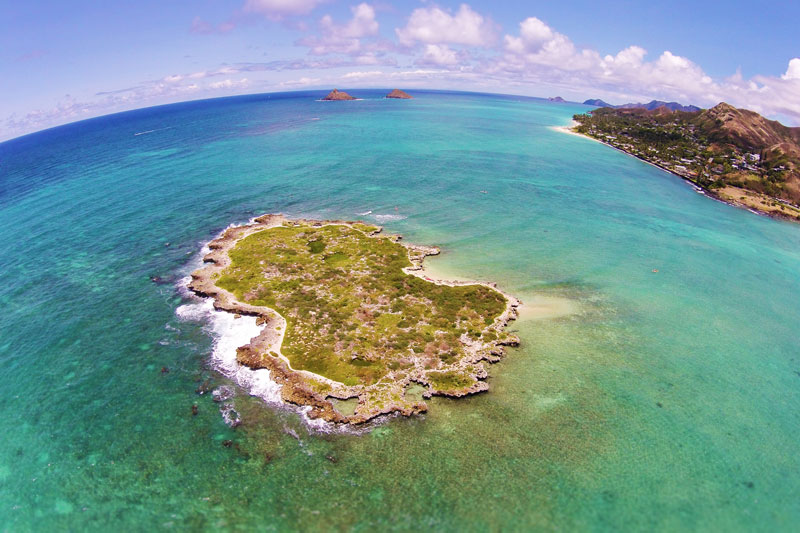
(651, 105)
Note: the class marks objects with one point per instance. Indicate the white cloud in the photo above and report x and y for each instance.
(630, 57)
(364, 75)
(362, 24)
(540, 55)
(436, 26)
(343, 38)
(533, 34)
(793, 71)
(357, 38)
(439, 54)
(229, 84)
(302, 82)
(454, 48)
(277, 9)
(538, 44)
(380, 76)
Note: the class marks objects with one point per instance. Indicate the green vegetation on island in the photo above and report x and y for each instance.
(347, 317)
(735, 155)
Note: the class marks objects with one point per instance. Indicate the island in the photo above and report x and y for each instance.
(352, 325)
(596, 102)
(397, 93)
(336, 94)
(651, 105)
(734, 155)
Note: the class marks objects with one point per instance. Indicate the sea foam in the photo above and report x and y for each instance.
(388, 218)
(229, 333)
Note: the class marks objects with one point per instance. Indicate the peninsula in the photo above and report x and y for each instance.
(734, 155)
(336, 94)
(348, 313)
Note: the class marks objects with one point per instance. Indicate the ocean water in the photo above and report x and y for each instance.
(657, 386)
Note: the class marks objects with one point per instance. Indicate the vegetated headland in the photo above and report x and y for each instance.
(348, 312)
(734, 155)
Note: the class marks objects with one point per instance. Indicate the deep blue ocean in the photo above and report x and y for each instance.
(657, 386)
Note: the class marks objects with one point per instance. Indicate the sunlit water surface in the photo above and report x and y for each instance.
(638, 400)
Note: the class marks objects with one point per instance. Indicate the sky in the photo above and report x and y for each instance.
(66, 61)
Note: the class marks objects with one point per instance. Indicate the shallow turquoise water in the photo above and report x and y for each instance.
(639, 400)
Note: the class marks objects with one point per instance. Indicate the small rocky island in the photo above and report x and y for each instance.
(397, 93)
(349, 315)
(336, 94)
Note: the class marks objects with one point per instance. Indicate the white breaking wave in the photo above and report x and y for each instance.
(384, 218)
(229, 333)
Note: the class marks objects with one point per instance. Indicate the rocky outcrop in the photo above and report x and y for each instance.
(336, 94)
(397, 93)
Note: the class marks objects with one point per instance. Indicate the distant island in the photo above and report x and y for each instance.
(336, 94)
(597, 103)
(653, 104)
(733, 154)
(397, 93)
(348, 313)
(557, 99)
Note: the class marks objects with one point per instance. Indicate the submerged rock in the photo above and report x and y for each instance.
(222, 394)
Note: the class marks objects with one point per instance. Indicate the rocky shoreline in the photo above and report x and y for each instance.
(303, 388)
(714, 195)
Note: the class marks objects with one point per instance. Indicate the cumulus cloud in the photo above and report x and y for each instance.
(793, 71)
(433, 25)
(539, 54)
(343, 38)
(277, 9)
(440, 54)
(362, 24)
(456, 47)
(357, 38)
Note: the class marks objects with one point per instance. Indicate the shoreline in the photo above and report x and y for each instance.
(301, 387)
(569, 129)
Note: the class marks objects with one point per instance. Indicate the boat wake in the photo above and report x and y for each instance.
(149, 131)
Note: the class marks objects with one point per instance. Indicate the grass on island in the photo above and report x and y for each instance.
(352, 315)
